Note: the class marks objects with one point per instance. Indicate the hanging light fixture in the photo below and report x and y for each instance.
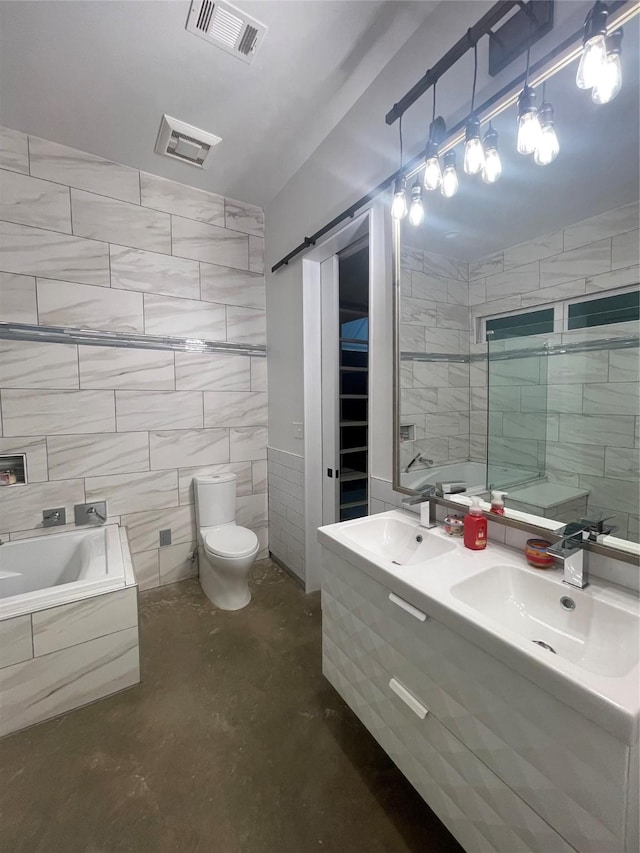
(492, 165)
(416, 209)
(609, 81)
(594, 48)
(437, 131)
(473, 151)
(449, 175)
(529, 128)
(548, 145)
(399, 203)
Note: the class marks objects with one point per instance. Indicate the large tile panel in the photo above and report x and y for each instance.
(24, 364)
(91, 455)
(176, 563)
(34, 251)
(248, 443)
(172, 197)
(15, 640)
(135, 269)
(30, 201)
(18, 298)
(83, 171)
(27, 412)
(65, 303)
(148, 410)
(246, 325)
(243, 217)
(184, 318)
(114, 221)
(143, 528)
(232, 287)
(209, 243)
(585, 261)
(111, 367)
(208, 371)
(128, 493)
(235, 408)
(70, 624)
(182, 448)
(146, 569)
(21, 509)
(67, 679)
(14, 150)
(256, 254)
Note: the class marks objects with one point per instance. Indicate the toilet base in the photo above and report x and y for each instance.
(225, 587)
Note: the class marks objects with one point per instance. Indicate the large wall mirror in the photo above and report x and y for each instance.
(518, 320)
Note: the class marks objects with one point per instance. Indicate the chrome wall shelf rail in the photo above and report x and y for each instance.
(94, 337)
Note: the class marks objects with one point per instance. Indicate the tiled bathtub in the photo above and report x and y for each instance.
(58, 656)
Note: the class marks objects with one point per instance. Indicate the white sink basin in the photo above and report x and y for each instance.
(402, 542)
(597, 635)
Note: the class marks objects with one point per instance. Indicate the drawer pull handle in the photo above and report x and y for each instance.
(408, 607)
(408, 698)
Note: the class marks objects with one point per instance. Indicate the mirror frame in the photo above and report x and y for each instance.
(627, 551)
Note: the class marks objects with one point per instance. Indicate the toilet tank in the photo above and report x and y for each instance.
(215, 499)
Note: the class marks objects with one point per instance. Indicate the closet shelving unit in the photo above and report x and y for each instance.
(354, 407)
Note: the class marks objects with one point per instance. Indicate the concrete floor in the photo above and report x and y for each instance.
(233, 743)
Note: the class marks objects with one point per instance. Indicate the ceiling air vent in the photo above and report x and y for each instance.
(227, 27)
(184, 141)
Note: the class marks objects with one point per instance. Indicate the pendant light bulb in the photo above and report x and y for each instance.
(529, 129)
(416, 209)
(548, 145)
(449, 175)
(609, 80)
(399, 204)
(594, 48)
(473, 151)
(492, 165)
(432, 170)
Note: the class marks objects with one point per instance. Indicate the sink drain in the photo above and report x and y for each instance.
(567, 603)
(544, 645)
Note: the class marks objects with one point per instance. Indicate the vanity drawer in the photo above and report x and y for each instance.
(566, 768)
(477, 807)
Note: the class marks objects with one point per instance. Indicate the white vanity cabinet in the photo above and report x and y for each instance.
(504, 765)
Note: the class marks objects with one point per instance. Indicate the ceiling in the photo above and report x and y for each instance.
(98, 75)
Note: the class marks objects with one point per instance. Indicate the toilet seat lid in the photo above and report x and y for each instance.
(232, 541)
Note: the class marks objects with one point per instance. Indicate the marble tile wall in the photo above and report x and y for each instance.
(286, 509)
(434, 319)
(89, 243)
(63, 657)
(591, 432)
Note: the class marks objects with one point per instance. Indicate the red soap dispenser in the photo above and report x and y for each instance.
(475, 527)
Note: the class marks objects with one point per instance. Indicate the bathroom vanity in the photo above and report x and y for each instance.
(514, 745)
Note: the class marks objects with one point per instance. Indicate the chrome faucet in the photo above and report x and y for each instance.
(427, 506)
(418, 458)
(570, 551)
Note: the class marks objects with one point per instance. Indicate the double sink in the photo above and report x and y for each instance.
(584, 643)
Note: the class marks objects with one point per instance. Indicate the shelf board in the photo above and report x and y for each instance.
(354, 449)
(354, 503)
(348, 475)
(362, 342)
(345, 369)
(354, 396)
(353, 423)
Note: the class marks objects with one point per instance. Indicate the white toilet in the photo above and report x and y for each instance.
(226, 550)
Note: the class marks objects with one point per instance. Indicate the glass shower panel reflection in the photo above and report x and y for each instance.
(517, 416)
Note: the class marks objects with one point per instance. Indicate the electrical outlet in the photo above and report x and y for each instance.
(297, 430)
(165, 537)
